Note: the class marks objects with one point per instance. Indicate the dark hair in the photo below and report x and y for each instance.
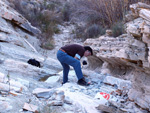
(89, 49)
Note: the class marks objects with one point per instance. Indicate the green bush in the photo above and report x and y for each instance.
(94, 19)
(94, 31)
(48, 46)
(117, 29)
(66, 12)
(79, 32)
(51, 6)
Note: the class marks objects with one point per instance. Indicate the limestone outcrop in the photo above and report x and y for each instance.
(10, 14)
(128, 56)
(18, 46)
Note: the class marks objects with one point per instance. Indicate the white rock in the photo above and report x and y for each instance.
(40, 90)
(21, 67)
(145, 14)
(119, 82)
(7, 87)
(23, 82)
(134, 30)
(15, 83)
(43, 93)
(87, 103)
(2, 76)
(57, 99)
(53, 80)
(30, 107)
(19, 52)
(5, 106)
(52, 63)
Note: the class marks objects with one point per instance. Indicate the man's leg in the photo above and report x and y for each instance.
(64, 58)
(77, 67)
(75, 64)
(65, 72)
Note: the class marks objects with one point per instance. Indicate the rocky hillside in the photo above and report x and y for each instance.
(118, 72)
(128, 56)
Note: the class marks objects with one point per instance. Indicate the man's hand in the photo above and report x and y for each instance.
(76, 58)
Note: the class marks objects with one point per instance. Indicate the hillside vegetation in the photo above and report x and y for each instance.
(97, 16)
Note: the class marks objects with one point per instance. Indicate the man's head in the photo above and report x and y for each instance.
(88, 51)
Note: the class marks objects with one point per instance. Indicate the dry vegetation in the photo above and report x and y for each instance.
(98, 15)
(103, 13)
(44, 16)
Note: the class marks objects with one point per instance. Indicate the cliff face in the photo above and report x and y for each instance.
(128, 56)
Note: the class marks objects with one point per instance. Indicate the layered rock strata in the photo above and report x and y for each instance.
(128, 56)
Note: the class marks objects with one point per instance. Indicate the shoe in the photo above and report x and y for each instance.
(83, 82)
(63, 82)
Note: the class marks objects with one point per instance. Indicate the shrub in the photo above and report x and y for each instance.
(43, 17)
(94, 30)
(101, 13)
(104, 12)
(47, 45)
(51, 6)
(94, 19)
(118, 29)
(79, 32)
(66, 12)
(84, 32)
